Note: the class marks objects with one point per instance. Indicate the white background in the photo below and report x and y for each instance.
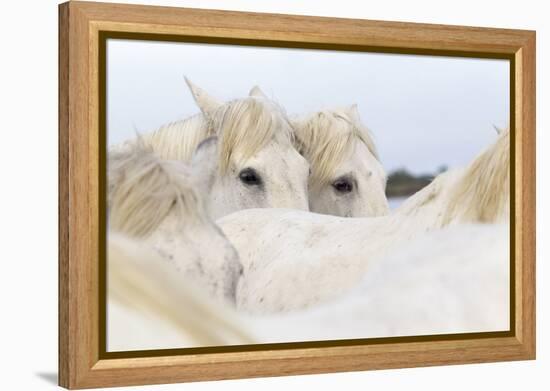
(28, 214)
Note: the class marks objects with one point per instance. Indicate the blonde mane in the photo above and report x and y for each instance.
(143, 189)
(482, 193)
(178, 140)
(243, 126)
(326, 138)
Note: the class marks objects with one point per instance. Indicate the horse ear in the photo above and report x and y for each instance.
(206, 103)
(497, 129)
(353, 112)
(256, 91)
(205, 163)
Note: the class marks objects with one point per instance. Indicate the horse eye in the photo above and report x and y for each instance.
(343, 186)
(250, 177)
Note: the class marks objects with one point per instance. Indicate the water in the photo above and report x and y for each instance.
(396, 202)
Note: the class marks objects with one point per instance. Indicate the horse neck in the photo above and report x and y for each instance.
(380, 235)
(139, 279)
(428, 204)
(174, 235)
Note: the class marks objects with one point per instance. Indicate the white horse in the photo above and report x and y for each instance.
(346, 178)
(152, 305)
(454, 280)
(479, 192)
(257, 164)
(293, 259)
(156, 203)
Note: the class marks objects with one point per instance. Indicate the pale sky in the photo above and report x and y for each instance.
(424, 111)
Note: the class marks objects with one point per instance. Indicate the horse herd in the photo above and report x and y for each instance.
(243, 225)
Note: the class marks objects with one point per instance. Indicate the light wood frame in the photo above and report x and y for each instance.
(81, 364)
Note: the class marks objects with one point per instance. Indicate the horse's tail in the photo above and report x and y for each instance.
(143, 283)
(482, 193)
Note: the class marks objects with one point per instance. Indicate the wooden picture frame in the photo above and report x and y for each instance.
(83, 28)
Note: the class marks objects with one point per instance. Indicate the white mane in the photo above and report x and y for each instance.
(326, 138)
(178, 140)
(143, 189)
(243, 126)
(479, 193)
(483, 192)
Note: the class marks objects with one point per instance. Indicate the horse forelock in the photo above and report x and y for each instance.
(326, 138)
(144, 189)
(246, 126)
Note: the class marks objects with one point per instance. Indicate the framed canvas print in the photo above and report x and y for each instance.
(248, 195)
